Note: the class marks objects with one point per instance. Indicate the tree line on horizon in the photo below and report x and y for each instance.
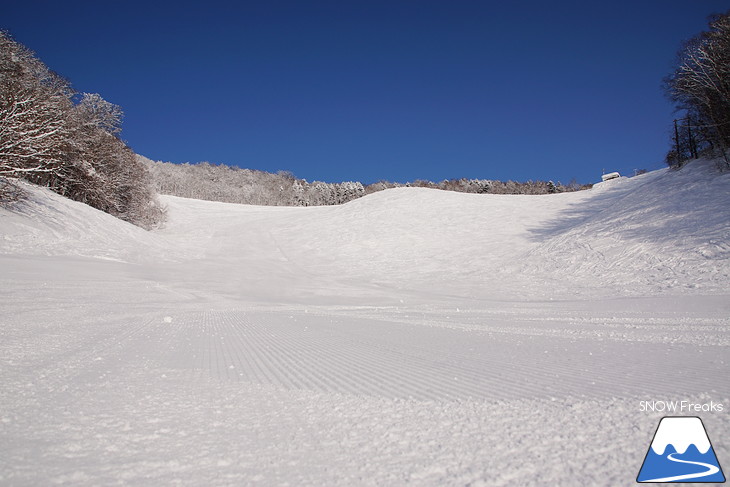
(230, 184)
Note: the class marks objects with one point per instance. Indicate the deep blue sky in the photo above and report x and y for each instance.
(370, 90)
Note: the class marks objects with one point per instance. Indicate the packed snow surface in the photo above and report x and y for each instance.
(413, 336)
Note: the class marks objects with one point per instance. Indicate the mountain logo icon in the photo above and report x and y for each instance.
(681, 452)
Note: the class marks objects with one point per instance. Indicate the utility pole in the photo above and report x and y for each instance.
(676, 143)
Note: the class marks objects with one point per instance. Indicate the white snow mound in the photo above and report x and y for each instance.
(662, 232)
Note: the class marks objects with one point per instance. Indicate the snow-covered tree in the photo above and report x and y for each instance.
(34, 103)
(73, 148)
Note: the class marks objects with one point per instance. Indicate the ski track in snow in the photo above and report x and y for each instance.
(410, 337)
(388, 359)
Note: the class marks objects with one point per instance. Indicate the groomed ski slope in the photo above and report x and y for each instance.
(413, 337)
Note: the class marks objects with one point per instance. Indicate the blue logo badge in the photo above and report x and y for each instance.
(681, 452)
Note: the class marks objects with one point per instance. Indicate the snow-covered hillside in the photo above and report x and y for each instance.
(664, 232)
(410, 336)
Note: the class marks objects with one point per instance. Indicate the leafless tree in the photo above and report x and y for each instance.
(700, 84)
